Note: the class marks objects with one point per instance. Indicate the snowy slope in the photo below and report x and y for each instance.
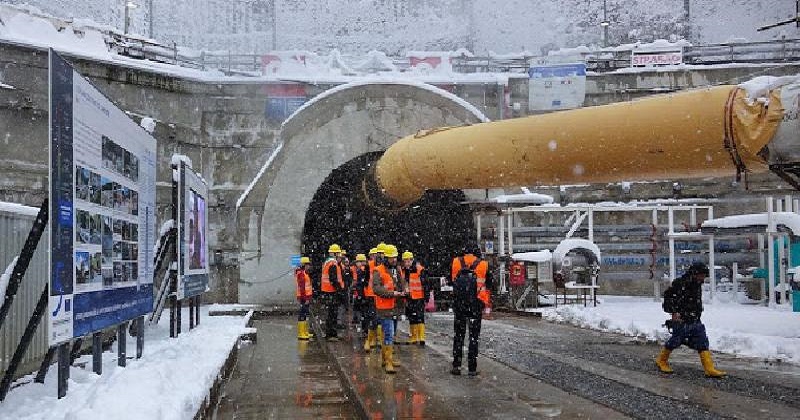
(393, 26)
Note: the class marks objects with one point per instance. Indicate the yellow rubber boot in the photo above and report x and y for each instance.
(388, 364)
(662, 361)
(379, 336)
(370, 339)
(421, 334)
(708, 365)
(412, 329)
(301, 330)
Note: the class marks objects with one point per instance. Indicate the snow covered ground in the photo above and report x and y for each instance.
(170, 381)
(746, 330)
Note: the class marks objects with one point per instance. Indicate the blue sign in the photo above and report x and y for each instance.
(280, 108)
(294, 261)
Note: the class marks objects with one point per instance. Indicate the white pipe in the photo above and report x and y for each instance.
(656, 288)
(510, 233)
(591, 225)
(502, 234)
(770, 255)
(761, 262)
(712, 272)
(735, 278)
(478, 228)
(671, 226)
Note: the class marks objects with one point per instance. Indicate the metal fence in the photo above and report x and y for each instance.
(14, 228)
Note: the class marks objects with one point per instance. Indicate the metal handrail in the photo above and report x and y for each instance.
(603, 60)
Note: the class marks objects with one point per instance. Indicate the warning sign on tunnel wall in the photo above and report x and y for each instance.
(283, 99)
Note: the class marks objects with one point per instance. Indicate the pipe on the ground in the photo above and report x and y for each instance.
(700, 133)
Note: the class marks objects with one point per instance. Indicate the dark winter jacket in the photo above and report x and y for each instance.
(684, 296)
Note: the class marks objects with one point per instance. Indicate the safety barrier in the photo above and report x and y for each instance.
(14, 228)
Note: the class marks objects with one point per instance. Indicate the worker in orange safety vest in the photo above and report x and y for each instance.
(303, 294)
(331, 285)
(414, 275)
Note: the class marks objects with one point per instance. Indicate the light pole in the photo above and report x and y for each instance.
(605, 24)
(128, 6)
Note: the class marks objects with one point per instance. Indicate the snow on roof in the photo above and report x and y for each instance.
(23, 26)
(389, 81)
(567, 245)
(461, 52)
(788, 219)
(177, 158)
(258, 176)
(18, 209)
(5, 86)
(759, 87)
(532, 198)
(536, 256)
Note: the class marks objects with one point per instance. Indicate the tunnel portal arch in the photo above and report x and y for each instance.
(328, 132)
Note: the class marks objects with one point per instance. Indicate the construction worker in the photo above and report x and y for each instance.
(415, 277)
(388, 286)
(380, 257)
(304, 293)
(344, 298)
(359, 273)
(683, 300)
(370, 321)
(470, 295)
(331, 284)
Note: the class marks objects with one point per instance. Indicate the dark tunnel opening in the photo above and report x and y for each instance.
(435, 228)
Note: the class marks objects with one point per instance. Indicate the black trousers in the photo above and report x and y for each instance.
(332, 309)
(460, 328)
(415, 311)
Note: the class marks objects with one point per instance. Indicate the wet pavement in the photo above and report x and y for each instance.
(279, 377)
(529, 368)
(619, 372)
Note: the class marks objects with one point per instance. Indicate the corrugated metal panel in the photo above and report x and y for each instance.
(14, 230)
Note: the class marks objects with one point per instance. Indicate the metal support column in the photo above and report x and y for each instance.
(510, 233)
(712, 272)
(122, 345)
(63, 369)
(45, 365)
(501, 235)
(770, 254)
(97, 353)
(139, 336)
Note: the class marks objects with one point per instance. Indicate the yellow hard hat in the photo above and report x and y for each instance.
(361, 257)
(390, 251)
(408, 255)
(381, 248)
(373, 251)
(334, 248)
(343, 252)
(305, 260)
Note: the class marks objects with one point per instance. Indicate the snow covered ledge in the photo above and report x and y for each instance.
(176, 378)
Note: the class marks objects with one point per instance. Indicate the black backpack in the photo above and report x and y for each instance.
(669, 303)
(465, 290)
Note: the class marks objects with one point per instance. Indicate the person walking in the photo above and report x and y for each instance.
(332, 284)
(303, 294)
(388, 286)
(684, 301)
(359, 274)
(414, 275)
(370, 320)
(470, 296)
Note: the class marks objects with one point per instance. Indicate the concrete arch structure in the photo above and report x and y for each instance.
(330, 130)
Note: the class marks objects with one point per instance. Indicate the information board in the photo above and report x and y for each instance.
(554, 87)
(102, 215)
(193, 233)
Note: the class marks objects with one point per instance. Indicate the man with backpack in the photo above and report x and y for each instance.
(684, 301)
(470, 295)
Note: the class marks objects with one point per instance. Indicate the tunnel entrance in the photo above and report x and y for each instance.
(436, 228)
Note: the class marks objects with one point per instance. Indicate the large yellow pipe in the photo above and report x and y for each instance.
(671, 136)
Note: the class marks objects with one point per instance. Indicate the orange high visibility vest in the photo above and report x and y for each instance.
(303, 284)
(415, 282)
(368, 292)
(480, 273)
(327, 287)
(388, 283)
